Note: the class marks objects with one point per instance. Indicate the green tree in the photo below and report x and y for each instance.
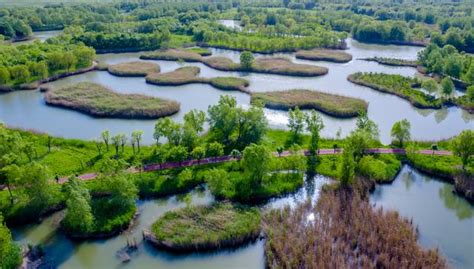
(177, 154)
(4, 75)
(116, 140)
(314, 125)
(296, 120)
(246, 60)
(256, 163)
(470, 93)
(35, 181)
(78, 218)
(10, 254)
(347, 169)
(364, 124)
(447, 86)
(106, 137)
(401, 131)
(20, 73)
(430, 85)
(218, 182)
(198, 153)
(214, 149)
(137, 138)
(166, 127)
(223, 119)
(463, 146)
(195, 119)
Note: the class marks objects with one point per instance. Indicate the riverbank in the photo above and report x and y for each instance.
(330, 104)
(205, 228)
(392, 61)
(98, 101)
(274, 65)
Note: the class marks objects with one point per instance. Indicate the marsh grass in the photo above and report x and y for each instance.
(400, 86)
(331, 104)
(200, 51)
(273, 65)
(189, 74)
(133, 69)
(392, 61)
(203, 228)
(335, 56)
(346, 232)
(98, 101)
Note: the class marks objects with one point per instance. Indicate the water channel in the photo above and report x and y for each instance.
(26, 109)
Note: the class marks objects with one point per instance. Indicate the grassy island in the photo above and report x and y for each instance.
(392, 61)
(273, 65)
(189, 74)
(202, 228)
(331, 104)
(400, 86)
(98, 101)
(133, 69)
(335, 56)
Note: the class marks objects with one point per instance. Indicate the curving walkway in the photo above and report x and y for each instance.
(226, 158)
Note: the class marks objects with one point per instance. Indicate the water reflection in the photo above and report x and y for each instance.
(444, 220)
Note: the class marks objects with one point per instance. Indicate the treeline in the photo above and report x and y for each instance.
(448, 61)
(35, 61)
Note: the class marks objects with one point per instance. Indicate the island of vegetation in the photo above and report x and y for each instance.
(401, 86)
(331, 104)
(105, 215)
(272, 65)
(392, 61)
(20, 66)
(98, 101)
(189, 74)
(133, 69)
(204, 228)
(324, 55)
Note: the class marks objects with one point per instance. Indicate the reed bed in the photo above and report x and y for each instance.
(331, 104)
(335, 56)
(99, 101)
(343, 230)
(133, 69)
(189, 74)
(204, 228)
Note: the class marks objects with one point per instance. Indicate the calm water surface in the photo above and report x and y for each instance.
(444, 219)
(26, 109)
(63, 253)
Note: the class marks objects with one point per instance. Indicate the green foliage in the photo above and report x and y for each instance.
(78, 216)
(314, 124)
(296, 125)
(347, 170)
(463, 147)
(246, 60)
(447, 87)
(10, 254)
(401, 131)
(381, 168)
(211, 227)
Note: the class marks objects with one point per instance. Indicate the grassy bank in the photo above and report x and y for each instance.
(465, 103)
(397, 85)
(392, 61)
(189, 74)
(334, 105)
(202, 228)
(273, 65)
(345, 226)
(133, 69)
(335, 56)
(98, 101)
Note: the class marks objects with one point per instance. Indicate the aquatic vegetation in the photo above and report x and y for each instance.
(324, 55)
(331, 104)
(392, 61)
(189, 74)
(99, 101)
(273, 65)
(344, 230)
(202, 228)
(401, 86)
(133, 69)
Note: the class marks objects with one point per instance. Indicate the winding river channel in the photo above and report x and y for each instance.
(26, 109)
(444, 220)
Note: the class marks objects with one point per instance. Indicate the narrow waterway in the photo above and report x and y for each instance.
(26, 109)
(444, 219)
(64, 253)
